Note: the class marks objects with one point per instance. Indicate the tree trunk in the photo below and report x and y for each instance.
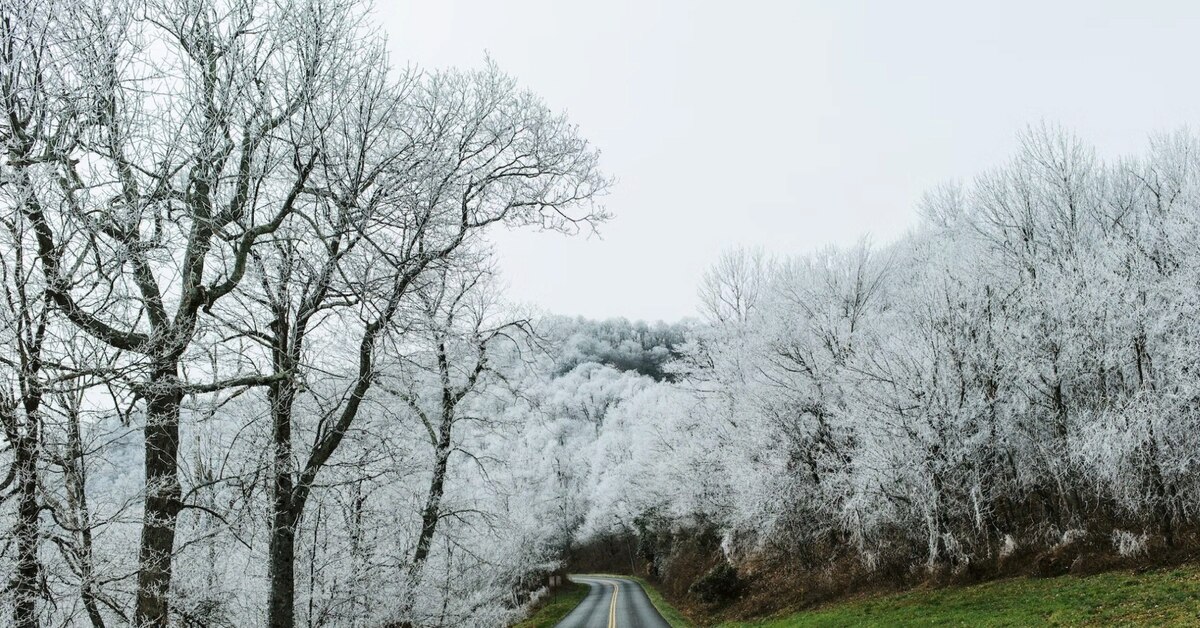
(26, 440)
(281, 606)
(285, 515)
(162, 496)
(76, 479)
(25, 589)
(432, 511)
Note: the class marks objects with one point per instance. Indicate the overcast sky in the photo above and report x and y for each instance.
(793, 125)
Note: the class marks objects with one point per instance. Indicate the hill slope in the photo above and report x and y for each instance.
(1165, 597)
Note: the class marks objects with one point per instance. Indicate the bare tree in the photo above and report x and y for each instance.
(435, 163)
(160, 125)
(25, 35)
(731, 289)
(458, 330)
(175, 174)
(23, 325)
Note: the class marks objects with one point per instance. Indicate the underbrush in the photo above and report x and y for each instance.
(697, 572)
(1166, 597)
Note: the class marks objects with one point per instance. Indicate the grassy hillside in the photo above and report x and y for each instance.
(1156, 598)
(1168, 597)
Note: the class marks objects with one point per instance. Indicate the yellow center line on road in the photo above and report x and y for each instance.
(612, 608)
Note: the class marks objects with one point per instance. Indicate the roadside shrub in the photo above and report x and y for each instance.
(719, 584)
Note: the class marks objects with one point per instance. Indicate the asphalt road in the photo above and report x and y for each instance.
(613, 603)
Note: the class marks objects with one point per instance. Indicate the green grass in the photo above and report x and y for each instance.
(1168, 597)
(669, 613)
(557, 606)
(1157, 598)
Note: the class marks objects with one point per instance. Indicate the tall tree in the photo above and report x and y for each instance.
(431, 164)
(452, 346)
(162, 127)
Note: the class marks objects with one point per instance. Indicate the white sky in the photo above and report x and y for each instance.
(793, 125)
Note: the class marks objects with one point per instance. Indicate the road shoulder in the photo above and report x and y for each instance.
(669, 613)
(555, 606)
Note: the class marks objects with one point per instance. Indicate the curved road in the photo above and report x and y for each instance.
(613, 603)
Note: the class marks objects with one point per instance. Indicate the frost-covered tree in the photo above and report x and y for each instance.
(1013, 375)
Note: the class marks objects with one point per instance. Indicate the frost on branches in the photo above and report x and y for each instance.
(258, 369)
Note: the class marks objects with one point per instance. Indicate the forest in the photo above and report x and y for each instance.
(259, 368)
(1009, 389)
